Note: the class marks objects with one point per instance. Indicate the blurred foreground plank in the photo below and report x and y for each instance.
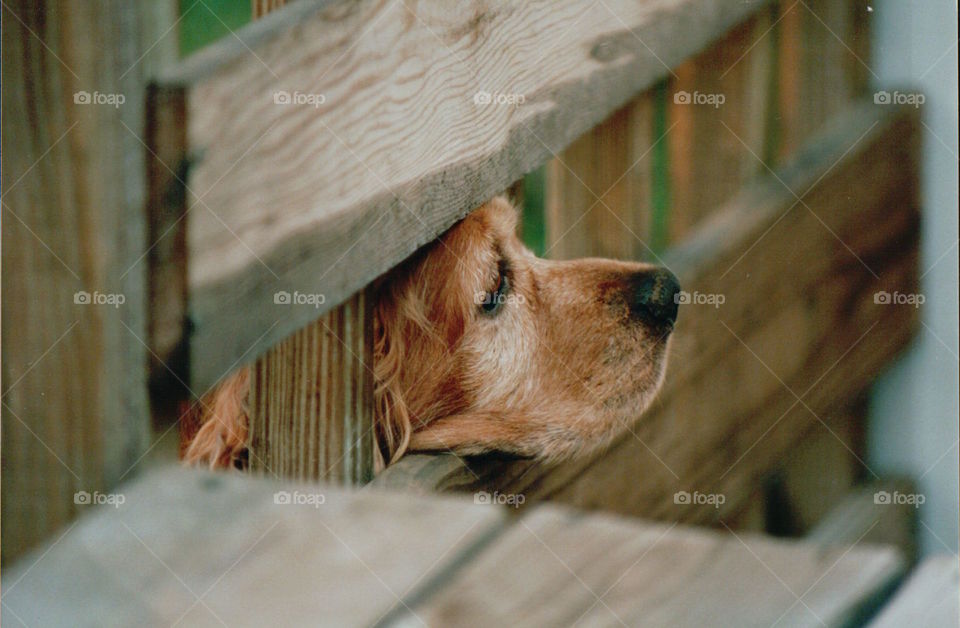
(928, 598)
(207, 549)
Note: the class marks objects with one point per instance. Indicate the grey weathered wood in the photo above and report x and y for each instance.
(369, 556)
(803, 310)
(324, 199)
(183, 534)
(550, 568)
(75, 405)
(860, 517)
(928, 598)
(311, 400)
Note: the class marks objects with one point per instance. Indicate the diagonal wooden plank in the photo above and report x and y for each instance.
(556, 568)
(329, 556)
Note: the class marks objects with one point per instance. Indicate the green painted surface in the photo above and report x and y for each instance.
(660, 173)
(203, 22)
(534, 223)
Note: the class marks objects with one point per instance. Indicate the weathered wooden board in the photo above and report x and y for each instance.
(823, 62)
(212, 549)
(797, 321)
(192, 547)
(929, 598)
(598, 190)
(719, 106)
(409, 116)
(311, 400)
(75, 408)
(874, 513)
(311, 395)
(554, 568)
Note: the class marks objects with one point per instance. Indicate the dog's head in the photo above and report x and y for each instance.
(482, 346)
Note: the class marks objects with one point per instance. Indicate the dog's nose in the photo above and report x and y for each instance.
(655, 296)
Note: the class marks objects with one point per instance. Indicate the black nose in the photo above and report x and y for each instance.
(655, 296)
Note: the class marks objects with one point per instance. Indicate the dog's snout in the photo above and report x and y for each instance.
(655, 296)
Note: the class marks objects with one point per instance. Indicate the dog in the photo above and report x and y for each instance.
(480, 346)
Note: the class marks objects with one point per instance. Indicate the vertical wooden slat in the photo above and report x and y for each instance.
(715, 148)
(311, 400)
(819, 71)
(311, 396)
(75, 412)
(598, 189)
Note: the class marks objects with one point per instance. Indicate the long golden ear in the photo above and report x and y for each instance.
(220, 419)
(391, 416)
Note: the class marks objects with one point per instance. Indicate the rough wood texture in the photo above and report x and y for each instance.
(860, 516)
(311, 400)
(183, 534)
(598, 189)
(325, 198)
(554, 568)
(928, 598)
(75, 408)
(795, 318)
(198, 548)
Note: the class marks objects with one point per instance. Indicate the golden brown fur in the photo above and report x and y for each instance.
(563, 365)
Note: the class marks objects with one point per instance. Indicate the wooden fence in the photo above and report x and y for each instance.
(326, 142)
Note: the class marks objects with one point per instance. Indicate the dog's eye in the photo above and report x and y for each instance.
(493, 301)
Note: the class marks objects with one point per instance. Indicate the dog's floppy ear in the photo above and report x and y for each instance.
(214, 431)
(391, 416)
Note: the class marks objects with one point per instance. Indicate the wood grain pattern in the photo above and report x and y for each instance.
(311, 400)
(183, 534)
(799, 319)
(212, 549)
(325, 198)
(555, 568)
(75, 406)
